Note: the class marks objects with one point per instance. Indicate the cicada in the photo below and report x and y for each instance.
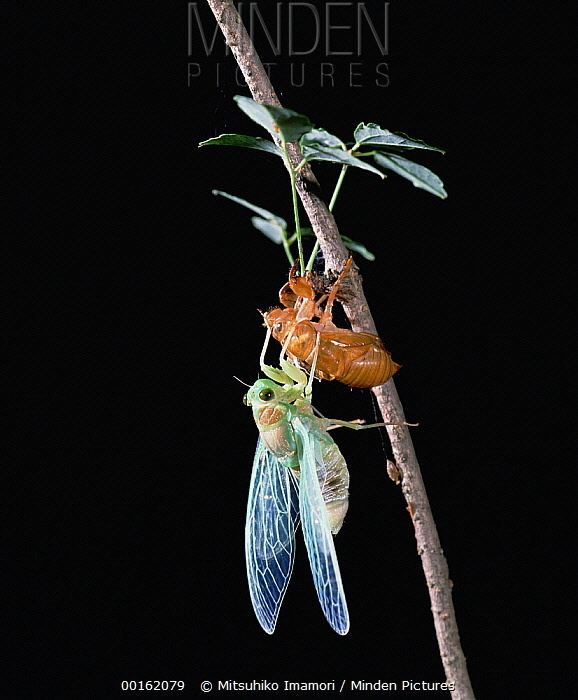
(299, 476)
(356, 359)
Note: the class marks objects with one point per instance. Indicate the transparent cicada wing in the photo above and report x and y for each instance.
(317, 532)
(272, 518)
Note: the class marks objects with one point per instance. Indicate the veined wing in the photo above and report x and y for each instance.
(272, 518)
(317, 533)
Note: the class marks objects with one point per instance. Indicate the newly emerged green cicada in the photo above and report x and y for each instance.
(299, 476)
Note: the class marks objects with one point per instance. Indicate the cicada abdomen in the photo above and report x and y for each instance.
(333, 478)
(359, 360)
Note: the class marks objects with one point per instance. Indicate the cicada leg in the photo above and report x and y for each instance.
(306, 309)
(287, 296)
(288, 374)
(285, 345)
(305, 304)
(326, 318)
(277, 375)
(264, 348)
(309, 388)
(308, 384)
(360, 425)
(301, 286)
(295, 373)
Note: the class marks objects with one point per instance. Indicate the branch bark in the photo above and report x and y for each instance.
(357, 309)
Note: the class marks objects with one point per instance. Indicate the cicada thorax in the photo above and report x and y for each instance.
(274, 423)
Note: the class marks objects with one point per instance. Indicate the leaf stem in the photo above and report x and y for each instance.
(295, 209)
(287, 246)
(331, 205)
(337, 187)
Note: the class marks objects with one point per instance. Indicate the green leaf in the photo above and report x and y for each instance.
(272, 229)
(418, 175)
(336, 155)
(373, 135)
(358, 248)
(255, 142)
(279, 122)
(267, 215)
(320, 137)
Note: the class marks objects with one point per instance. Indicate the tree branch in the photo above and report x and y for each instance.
(428, 545)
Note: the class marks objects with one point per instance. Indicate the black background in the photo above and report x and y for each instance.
(135, 302)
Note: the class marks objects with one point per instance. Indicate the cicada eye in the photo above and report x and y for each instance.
(245, 401)
(278, 327)
(266, 394)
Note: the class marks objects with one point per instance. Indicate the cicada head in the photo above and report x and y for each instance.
(262, 391)
(281, 322)
(269, 401)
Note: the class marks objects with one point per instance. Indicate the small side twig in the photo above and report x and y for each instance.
(357, 309)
